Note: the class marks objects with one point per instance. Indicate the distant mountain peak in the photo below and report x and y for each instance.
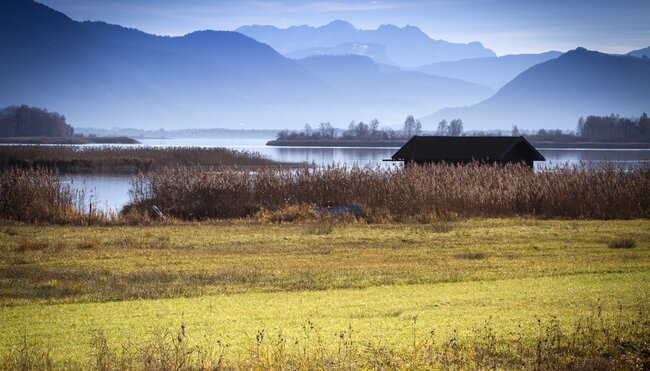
(491, 71)
(339, 25)
(640, 53)
(387, 27)
(580, 50)
(406, 46)
(580, 82)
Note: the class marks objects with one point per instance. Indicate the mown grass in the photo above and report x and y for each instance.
(501, 322)
(122, 263)
(480, 285)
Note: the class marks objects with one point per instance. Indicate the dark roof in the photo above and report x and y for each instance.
(439, 148)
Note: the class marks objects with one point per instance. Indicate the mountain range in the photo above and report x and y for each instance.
(406, 46)
(640, 53)
(363, 84)
(102, 75)
(555, 93)
(375, 51)
(491, 71)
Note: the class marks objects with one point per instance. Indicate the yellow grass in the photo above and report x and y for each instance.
(329, 290)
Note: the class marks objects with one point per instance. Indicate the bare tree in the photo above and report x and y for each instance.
(361, 130)
(515, 131)
(443, 128)
(326, 130)
(409, 126)
(456, 127)
(374, 128)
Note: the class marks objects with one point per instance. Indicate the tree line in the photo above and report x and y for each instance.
(614, 127)
(370, 131)
(26, 121)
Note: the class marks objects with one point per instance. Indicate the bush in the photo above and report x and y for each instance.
(290, 213)
(622, 244)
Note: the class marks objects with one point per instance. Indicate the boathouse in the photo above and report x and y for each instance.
(462, 150)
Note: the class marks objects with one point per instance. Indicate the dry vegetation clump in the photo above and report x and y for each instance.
(89, 245)
(622, 244)
(32, 246)
(35, 196)
(124, 159)
(290, 213)
(39, 196)
(413, 193)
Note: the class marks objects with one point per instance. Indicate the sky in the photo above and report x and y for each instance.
(505, 26)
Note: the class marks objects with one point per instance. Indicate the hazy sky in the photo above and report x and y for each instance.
(505, 26)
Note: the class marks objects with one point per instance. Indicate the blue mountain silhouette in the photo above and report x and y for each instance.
(556, 93)
(491, 71)
(406, 46)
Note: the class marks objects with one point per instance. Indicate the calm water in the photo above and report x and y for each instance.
(111, 192)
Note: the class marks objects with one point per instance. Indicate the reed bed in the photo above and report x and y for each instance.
(396, 194)
(39, 196)
(122, 159)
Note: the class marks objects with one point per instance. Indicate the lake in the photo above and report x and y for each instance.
(111, 192)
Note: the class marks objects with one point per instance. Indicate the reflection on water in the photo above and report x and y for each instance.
(111, 192)
(374, 155)
(105, 192)
(577, 155)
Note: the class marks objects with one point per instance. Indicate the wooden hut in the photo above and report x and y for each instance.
(462, 150)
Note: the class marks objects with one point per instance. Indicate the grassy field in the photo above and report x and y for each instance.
(244, 288)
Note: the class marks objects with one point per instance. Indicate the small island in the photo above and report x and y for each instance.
(32, 125)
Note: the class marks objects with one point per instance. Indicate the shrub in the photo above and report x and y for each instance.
(622, 244)
(290, 213)
(89, 245)
(470, 255)
(32, 246)
(319, 229)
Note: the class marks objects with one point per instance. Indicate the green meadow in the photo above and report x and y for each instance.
(468, 292)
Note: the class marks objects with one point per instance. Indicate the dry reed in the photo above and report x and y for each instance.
(395, 194)
(40, 196)
(124, 159)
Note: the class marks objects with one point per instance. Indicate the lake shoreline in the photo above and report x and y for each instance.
(68, 140)
(399, 143)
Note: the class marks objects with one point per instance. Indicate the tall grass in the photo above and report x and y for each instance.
(593, 342)
(124, 159)
(39, 196)
(577, 191)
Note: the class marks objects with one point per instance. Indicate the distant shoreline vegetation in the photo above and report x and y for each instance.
(125, 160)
(33, 125)
(76, 140)
(591, 132)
